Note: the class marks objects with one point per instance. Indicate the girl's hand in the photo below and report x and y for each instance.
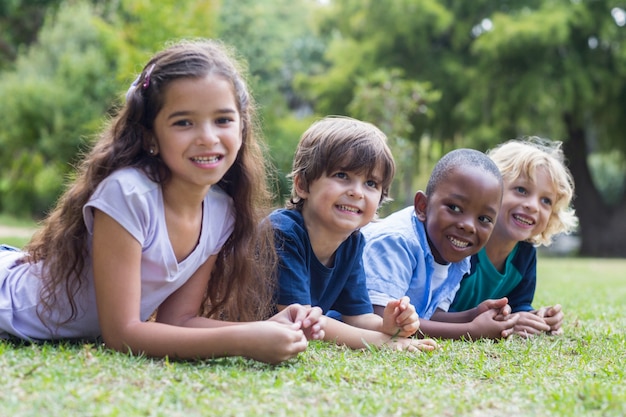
(274, 342)
(310, 319)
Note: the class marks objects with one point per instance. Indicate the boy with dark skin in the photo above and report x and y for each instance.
(423, 251)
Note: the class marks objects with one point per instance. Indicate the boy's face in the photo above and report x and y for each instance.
(526, 207)
(340, 202)
(460, 214)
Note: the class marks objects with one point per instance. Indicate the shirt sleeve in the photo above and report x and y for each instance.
(521, 297)
(354, 299)
(388, 264)
(445, 303)
(294, 284)
(126, 197)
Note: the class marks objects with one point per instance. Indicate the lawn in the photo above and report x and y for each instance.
(578, 374)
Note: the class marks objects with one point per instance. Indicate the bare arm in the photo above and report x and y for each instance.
(358, 338)
(178, 331)
(488, 324)
(348, 334)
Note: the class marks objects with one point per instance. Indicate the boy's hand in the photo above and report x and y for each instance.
(553, 317)
(500, 305)
(487, 325)
(530, 324)
(314, 324)
(400, 318)
(412, 345)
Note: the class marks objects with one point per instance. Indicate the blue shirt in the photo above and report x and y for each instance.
(398, 261)
(303, 279)
(517, 281)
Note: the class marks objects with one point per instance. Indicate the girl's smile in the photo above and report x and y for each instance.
(198, 130)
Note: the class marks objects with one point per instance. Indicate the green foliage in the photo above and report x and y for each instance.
(359, 47)
(20, 21)
(283, 137)
(63, 86)
(398, 106)
(555, 59)
(56, 95)
(146, 26)
(608, 169)
(581, 373)
(30, 185)
(276, 40)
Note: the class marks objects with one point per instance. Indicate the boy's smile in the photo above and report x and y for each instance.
(339, 203)
(460, 214)
(526, 207)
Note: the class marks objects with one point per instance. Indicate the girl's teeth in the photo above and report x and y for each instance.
(206, 160)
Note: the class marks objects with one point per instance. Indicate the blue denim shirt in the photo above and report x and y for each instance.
(398, 261)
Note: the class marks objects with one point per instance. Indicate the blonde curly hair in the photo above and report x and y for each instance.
(522, 157)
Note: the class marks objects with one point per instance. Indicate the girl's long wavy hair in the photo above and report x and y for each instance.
(240, 287)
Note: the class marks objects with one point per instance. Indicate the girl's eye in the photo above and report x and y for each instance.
(371, 183)
(342, 175)
(520, 190)
(182, 122)
(454, 208)
(224, 120)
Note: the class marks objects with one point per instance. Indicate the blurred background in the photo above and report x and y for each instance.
(434, 75)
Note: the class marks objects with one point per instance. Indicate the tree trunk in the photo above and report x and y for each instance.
(602, 227)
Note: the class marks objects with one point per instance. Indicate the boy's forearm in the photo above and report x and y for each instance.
(456, 317)
(353, 337)
(365, 321)
(446, 330)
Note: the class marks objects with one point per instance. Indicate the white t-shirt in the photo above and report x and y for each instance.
(136, 203)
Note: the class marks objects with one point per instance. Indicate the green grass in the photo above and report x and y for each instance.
(13, 222)
(8, 220)
(578, 374)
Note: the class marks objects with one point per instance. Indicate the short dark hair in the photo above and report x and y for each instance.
(461, 158)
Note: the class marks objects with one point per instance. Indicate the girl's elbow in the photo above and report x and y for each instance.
(117, 343)
(119, 339)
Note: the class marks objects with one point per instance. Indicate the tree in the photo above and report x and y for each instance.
(505, 69)
(62, 87)
(276, 39)
(559, 70)
(391, 102)
(55, 96)
(20, 21)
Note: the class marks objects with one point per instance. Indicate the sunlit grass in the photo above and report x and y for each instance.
(578, 374)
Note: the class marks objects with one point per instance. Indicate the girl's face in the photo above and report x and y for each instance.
(460, 214)
(526, 206)
(198, 131)
(340, 202)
